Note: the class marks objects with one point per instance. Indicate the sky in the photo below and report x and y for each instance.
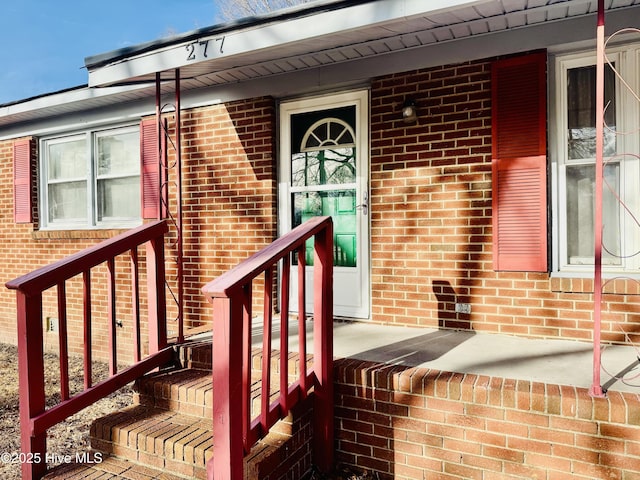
(44, 42)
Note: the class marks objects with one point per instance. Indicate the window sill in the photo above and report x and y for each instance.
(616, 284)
(98, 234)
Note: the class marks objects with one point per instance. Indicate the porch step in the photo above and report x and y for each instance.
(187, 390)
(167, 433)
(263, 461)
(157, 438)
(197, 354)
(112, 468)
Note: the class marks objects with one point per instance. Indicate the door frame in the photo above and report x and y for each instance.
(360, 100)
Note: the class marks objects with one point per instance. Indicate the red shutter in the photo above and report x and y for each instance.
(519, 165)
(22, 180)
(150, 169)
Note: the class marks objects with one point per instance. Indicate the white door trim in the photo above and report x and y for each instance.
(360, 307)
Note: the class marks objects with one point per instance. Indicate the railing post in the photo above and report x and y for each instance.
(227, 461)
(86, 324)
(323, 349)
(31, 382)
(35, 419)
(157, 296)
(230, 295)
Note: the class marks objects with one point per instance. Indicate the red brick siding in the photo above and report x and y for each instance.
(431, 221)
(408, 423)
(431, 194)
(23, 249)
(430, 215)
(229, 213)
(230, 192)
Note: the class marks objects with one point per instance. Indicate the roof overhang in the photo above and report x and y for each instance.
(278, 40)
(318, 46)
(338, 32)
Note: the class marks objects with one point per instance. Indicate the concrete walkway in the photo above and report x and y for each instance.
(560, 362)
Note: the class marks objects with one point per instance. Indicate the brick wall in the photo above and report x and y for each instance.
(430, 215)
(430, 194)
(411, 423)
(230, 193)
(24, 249)
(229, 213)
(431, 221)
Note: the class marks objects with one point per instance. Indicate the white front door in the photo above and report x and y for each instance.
(324, 170)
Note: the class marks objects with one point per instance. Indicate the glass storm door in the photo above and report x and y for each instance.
(324, 172)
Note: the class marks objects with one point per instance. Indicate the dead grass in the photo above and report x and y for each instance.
(345, 473)
(67, 438)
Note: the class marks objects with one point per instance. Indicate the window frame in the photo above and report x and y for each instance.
(91, 222)
(627, 59)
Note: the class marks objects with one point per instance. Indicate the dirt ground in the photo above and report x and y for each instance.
(68, 438)
(345, 473)
(72, 436)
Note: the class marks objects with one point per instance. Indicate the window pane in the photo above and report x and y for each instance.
(323, 167)
(68, 201)
(341, 206)
(118, 154)
(581, 210)
(119, 198)
(581, 114)
(118, 169)
(92, 177)
(67, 160)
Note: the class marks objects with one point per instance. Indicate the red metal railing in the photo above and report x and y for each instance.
(35, 419)
(231, 294)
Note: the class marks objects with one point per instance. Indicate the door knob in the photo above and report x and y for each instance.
(364, 206)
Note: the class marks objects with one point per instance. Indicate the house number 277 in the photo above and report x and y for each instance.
(201, 48)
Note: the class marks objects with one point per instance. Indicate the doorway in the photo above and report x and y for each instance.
(324, 170)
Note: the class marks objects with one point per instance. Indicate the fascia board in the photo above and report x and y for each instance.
(80, 95)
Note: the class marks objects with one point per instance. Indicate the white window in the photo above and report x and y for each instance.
(91, 180)
(575, 153)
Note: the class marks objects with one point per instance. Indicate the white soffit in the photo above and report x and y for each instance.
(346, 41)
(339, 34)
(278, 41)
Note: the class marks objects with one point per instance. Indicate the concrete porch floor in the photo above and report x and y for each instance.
(560, 362)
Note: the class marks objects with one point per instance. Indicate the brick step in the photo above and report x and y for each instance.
(149, 443)
(168, 430)
(112, 468)
(189, 391)
(197, 354)
(155, 437)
